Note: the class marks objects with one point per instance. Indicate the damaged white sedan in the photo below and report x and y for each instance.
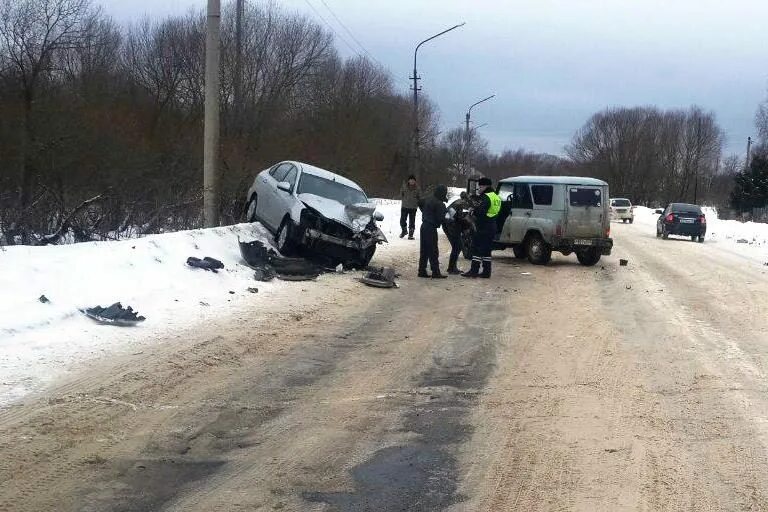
(315, 210)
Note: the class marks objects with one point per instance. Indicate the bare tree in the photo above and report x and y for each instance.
(31, 33)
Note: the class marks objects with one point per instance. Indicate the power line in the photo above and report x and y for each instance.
(349, 32)
(332, 29)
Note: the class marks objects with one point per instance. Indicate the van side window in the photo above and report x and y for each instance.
(522, 197)
(505, 191)
(585, 196)
(542, 194)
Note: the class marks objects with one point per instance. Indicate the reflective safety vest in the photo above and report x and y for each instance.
(495, 207)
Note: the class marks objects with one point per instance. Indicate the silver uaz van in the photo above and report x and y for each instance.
(541, 214)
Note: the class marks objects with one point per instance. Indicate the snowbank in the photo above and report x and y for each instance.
(748, 239)
(39, 341)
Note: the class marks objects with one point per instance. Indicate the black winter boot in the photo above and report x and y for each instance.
(474, 271)
(486, 269)
(454, 270)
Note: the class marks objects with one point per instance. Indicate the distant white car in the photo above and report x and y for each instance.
(622, 209)
(317, 210)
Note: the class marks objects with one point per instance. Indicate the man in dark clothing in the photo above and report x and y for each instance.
(432, 217)
(456, 222)
(485, 213)
(410, 195)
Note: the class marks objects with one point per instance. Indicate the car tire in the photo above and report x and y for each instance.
(701, 239)
(365, 260)
(588, 257)
(284, 238)
(631, 221)
(519, 251)
(664, 234)
(250, 209)
(694, 238)
(658, 232)
(538, 251)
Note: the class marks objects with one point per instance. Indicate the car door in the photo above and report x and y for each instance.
(268, 208)
(284, 200)
(519, 215)
(586, 211)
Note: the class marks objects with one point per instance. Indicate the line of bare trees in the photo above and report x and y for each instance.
(653, 155)
(100, 124)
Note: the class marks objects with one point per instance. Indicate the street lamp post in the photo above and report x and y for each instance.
(415, 78)
(467, 158)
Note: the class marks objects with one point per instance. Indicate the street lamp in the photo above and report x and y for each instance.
(415, 79)
(467, 133)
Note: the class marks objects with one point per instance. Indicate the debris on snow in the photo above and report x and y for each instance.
(114, 315)
(623, 262)
(206, 263)
(44, 299)
(383, 277)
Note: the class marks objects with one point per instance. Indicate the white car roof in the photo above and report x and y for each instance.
(620, 199)
(556, 180)
(328, 175)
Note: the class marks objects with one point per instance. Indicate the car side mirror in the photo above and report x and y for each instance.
(659, 212)
(284, 186)
(378, 216)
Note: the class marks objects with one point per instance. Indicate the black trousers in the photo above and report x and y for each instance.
(456, 246)
(428, 249)
(409, 215)
(482, 242)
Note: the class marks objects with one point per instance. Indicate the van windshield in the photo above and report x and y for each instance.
(585, 197)
(621, 203)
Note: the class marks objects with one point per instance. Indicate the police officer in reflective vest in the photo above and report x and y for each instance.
(485, 214)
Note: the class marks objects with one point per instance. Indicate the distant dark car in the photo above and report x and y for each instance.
(682, 219)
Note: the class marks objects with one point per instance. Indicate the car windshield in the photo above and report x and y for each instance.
(621, 202)
(585, 197)
(311, 184)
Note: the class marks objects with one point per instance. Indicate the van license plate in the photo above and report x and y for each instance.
(582, 242)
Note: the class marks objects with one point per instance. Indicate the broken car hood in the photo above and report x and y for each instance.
(354, 216)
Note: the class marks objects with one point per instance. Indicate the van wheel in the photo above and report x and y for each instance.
(588, 257)
(539, 252)
(701, 239)
(519, 251)
(631, 220)
(284, 238)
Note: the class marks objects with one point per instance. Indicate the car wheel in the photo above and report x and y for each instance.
(588, 257)
(367, 257)
(664, 234)
(631, 221)
(539, 252)
(694, 238)
(701, 239)
(658, 232)
(284, 238)
(519, 251)
(250, 210)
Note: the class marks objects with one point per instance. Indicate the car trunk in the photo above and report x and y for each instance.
(587, 211)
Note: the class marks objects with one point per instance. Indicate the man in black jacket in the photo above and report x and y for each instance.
(456, 222)
(432, 217)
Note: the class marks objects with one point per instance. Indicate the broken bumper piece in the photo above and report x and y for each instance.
(359, 243)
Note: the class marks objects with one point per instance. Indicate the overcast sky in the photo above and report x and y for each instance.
(553, 63)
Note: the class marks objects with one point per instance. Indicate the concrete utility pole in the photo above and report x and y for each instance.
(416, 89)
(211, 130)
(238, 86)
(749, 153)
(468, 138)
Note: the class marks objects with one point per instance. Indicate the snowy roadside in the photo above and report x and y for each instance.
(40, 342)
(745, 239)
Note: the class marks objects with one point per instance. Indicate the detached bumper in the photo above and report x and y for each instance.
(605, 245)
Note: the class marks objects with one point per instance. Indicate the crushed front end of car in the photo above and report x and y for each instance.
(352, 244)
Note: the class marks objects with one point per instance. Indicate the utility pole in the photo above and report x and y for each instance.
(467, 151)
(416, 89)
(238, 86)
(749, 152)
(211, 129)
